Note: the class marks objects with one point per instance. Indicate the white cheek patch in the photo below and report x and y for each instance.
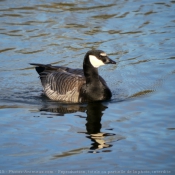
(95, 61)
(103, 54)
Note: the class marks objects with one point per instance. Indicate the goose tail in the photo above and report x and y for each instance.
(41, 67)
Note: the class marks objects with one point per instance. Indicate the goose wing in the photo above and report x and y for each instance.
(59, 84)
(62, 86)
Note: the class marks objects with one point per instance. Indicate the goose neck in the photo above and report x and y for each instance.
(90, 73)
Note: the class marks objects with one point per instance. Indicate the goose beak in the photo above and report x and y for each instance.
(109, 61)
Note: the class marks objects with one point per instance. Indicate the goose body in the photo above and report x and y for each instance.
(76, 85)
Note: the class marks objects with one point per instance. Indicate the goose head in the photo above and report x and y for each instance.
(97, 58)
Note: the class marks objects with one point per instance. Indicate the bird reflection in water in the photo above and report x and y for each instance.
(93, 125)
(94, 111)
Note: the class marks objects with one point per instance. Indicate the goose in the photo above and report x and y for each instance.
(76, 85)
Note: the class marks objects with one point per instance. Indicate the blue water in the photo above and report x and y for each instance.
(131, 134)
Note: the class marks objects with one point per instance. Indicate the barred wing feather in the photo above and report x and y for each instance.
(62, 85)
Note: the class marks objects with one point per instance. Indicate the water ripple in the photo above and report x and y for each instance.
(42, 134)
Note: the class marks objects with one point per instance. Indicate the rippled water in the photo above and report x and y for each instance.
(133, 132)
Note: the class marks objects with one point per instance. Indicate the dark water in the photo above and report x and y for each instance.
(134, 133)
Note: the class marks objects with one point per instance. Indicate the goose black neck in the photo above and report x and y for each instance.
(90, 72)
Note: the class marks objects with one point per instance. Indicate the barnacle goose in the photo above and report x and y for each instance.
(76, 85)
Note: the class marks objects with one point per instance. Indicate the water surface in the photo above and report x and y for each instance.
(133, 132)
